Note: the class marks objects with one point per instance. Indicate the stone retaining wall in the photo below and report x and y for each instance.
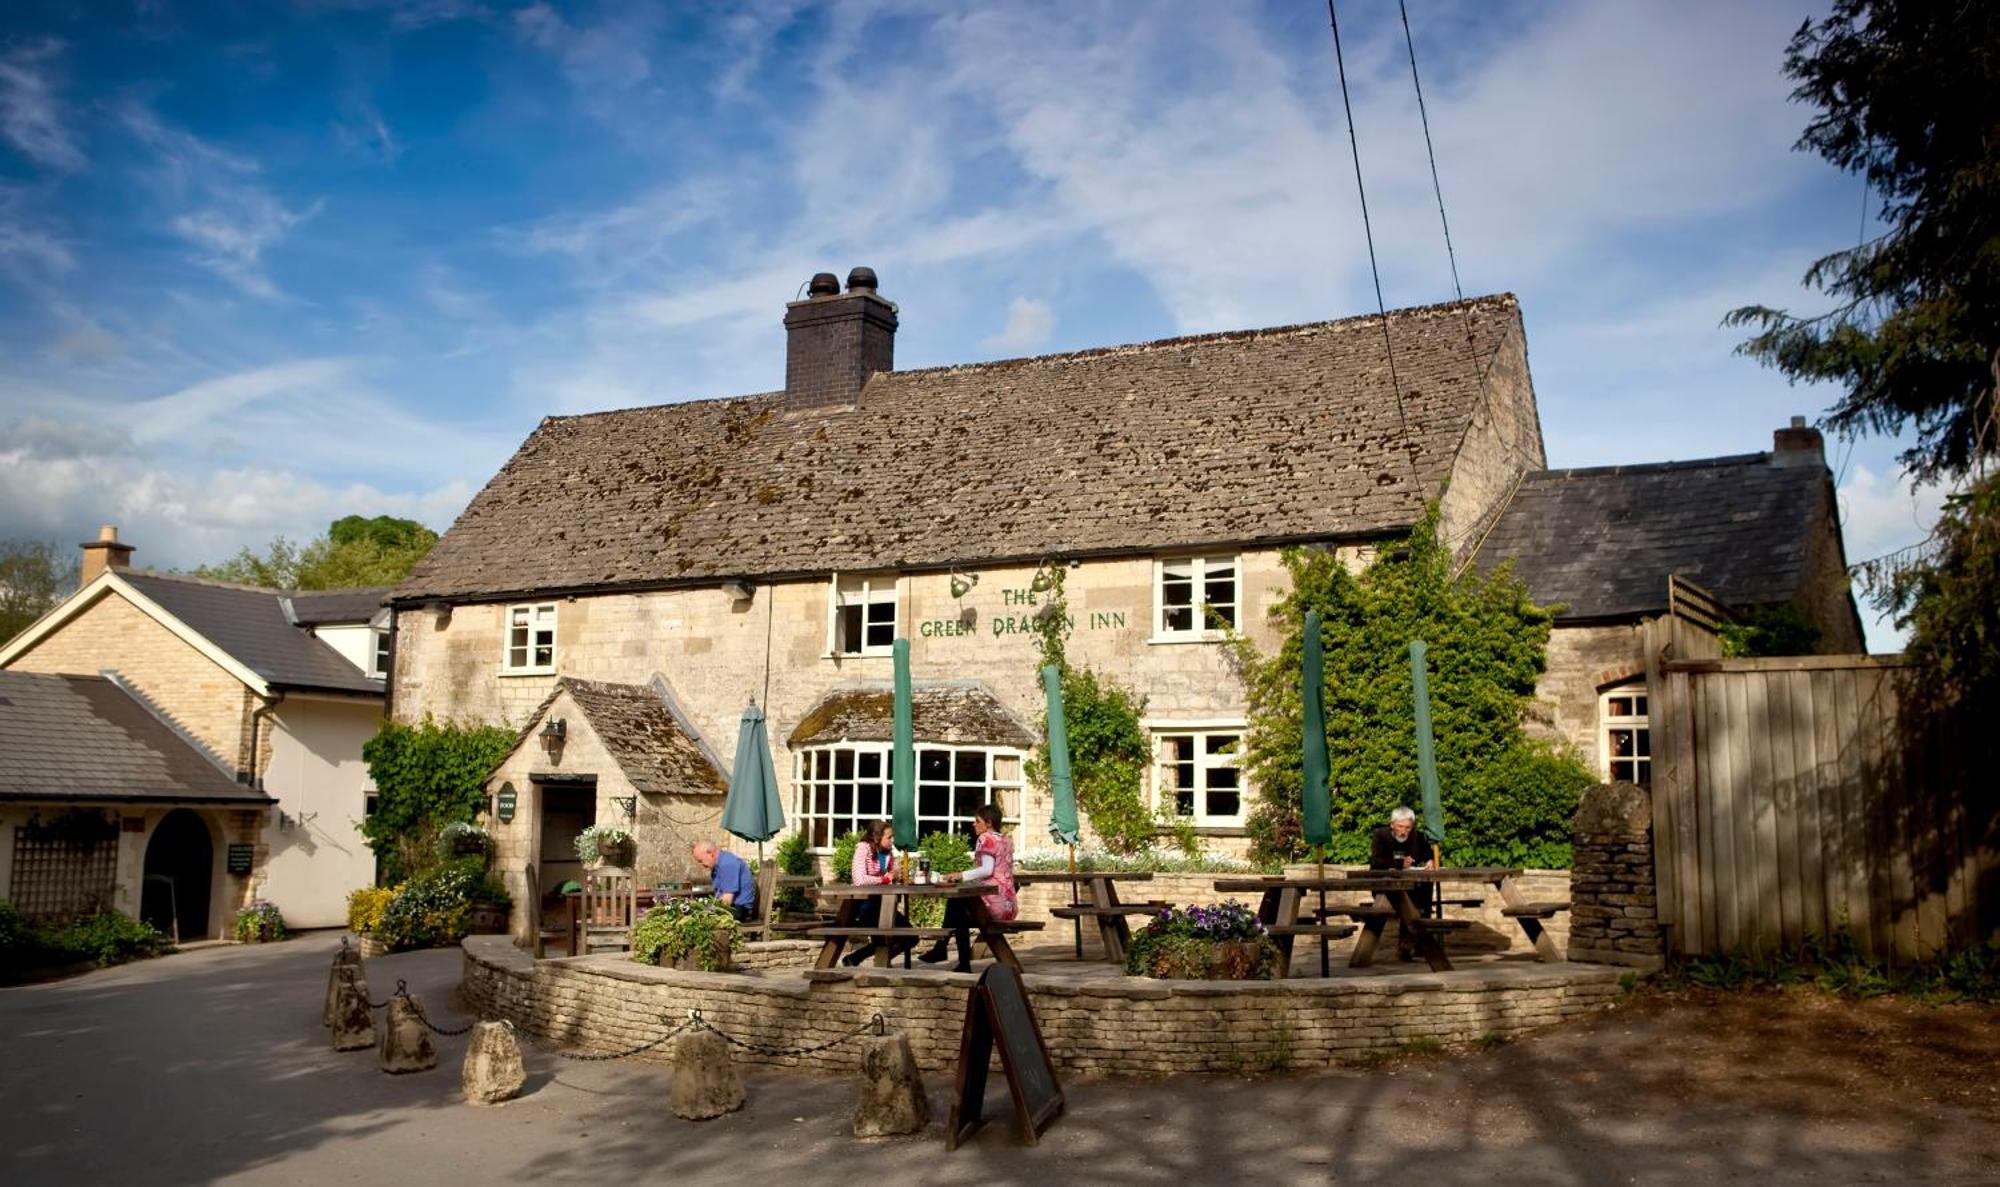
(1616, 900)
(1113, 1028)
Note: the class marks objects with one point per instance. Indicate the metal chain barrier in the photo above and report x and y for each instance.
(587, 1057)
(877, 1024)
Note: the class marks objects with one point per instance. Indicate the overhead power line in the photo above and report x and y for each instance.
(1374, 269)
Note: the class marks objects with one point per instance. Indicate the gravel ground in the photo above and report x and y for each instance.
(210, 1066)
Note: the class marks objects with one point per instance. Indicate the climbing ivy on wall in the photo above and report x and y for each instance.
(426, 776)
(1107, 749)
(1507, 799)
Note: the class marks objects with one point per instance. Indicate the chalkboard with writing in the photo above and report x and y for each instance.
(240, 857)
(997, 1008)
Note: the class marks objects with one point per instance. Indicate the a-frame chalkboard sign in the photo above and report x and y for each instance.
(998, 1008)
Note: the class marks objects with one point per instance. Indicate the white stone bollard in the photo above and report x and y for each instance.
(493, 1070)
(705, 1081)
(353, 1022)
(892, 1093)
(406, 1044)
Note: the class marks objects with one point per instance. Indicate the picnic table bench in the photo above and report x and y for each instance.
(1526, 914)
(1102, 904)
(991, 931)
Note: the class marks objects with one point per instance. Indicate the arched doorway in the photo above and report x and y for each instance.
(180, 862)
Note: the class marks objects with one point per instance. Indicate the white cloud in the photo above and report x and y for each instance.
(1882, 515)
(31, 118)
(1029, 324)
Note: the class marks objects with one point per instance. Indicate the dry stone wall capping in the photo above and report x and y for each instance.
(1124, 1029)
(1614, 915)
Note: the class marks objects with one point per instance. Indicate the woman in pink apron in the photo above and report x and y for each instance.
(993, 865)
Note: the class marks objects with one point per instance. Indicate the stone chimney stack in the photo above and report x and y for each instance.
(103, 553)
(1798, 445)
(834, 341)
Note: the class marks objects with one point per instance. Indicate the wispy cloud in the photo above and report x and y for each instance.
(31, 117)
(363, 132)
(1029, 323)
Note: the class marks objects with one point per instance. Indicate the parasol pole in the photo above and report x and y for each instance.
(1075, 896)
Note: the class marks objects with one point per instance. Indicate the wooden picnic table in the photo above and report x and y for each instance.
(1526, 914)
(1280, 913)
(1103, 905)
(886, 931)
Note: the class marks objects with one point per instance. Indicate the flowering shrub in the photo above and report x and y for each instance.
(365, 907)
(28, 947)
(259, 923)
(682, 926)
(1151, 861)
(1225, 941)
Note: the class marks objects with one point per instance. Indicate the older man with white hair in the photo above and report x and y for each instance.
(1399, 846)
(729, 877)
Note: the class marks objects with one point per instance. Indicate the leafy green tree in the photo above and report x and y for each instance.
(34, 576)
(1508, 800)
(426, 776)
(355, 553)
(1773, 630)
(1906, 92)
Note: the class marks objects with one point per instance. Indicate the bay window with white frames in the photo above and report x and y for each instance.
(1626, 735)
(530, 648)
(1191, 594)
(1196, 775)
(861, 615)
(840, 788)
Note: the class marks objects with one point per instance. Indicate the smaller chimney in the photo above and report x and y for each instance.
(103, 553)
(834, 341)
(1798, 445)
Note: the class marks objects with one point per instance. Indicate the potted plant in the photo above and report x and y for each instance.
(259, 923)
(1225, 942)
(491, 905)
(606, 845)
(464, 838)
(688, 933)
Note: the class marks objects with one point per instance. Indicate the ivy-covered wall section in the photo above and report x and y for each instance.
(426, 777)
(1508, 799)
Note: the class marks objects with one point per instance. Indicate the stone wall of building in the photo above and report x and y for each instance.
(1503, 441)
(712, 651)
(182, 683)
(1613, 895)
(1581, 661)
(1134, 1029)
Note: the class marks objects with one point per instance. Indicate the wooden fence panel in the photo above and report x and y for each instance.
(1789, 802)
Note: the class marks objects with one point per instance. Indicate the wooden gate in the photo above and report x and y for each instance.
(1790, 799)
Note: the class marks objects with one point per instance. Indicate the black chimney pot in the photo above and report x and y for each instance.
(834, 341)
(861, 280)
(823, 284)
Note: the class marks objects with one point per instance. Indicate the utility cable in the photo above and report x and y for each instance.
(1374, 269)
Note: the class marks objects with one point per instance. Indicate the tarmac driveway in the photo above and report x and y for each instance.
(211, 1066)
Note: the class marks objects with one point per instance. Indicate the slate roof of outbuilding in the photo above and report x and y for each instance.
(644, 736)
(250, 625)
(321, 607)
(85, 738)
(954, 712)
(1604, 540)
(1249, 437)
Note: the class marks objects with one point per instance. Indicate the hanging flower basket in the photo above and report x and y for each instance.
(464, 840)
(604, 845)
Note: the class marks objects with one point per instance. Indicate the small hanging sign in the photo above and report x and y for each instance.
(508, 800)
(239, 858)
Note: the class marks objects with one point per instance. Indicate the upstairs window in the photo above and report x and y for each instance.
(381, 671)
(1627, 735)
(1196, 774)
(1192, 594)
(531, 640)
(863, 615)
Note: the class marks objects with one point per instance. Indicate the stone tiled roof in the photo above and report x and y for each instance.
(250, 625)
(644, 736)
(1251, 437)
(320, 607)
(1605, 540)
(957, 713)
(85, 738)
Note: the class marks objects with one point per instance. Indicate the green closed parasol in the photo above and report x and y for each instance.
(1062, 788)
(1427, 767)
(1317, 800)
(903, 757)
(752, 809)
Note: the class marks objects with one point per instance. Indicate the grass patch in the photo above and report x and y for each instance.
(1837, 966)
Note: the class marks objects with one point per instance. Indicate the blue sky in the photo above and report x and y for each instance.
(263, 264)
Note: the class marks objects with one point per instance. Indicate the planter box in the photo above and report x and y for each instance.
(690, 961)
(370, 947)
(486, 919)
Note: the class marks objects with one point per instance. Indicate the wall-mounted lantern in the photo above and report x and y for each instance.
(553, 735)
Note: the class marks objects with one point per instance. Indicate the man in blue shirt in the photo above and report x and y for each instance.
(730, 878)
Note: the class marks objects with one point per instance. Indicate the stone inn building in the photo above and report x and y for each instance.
(630, 580)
